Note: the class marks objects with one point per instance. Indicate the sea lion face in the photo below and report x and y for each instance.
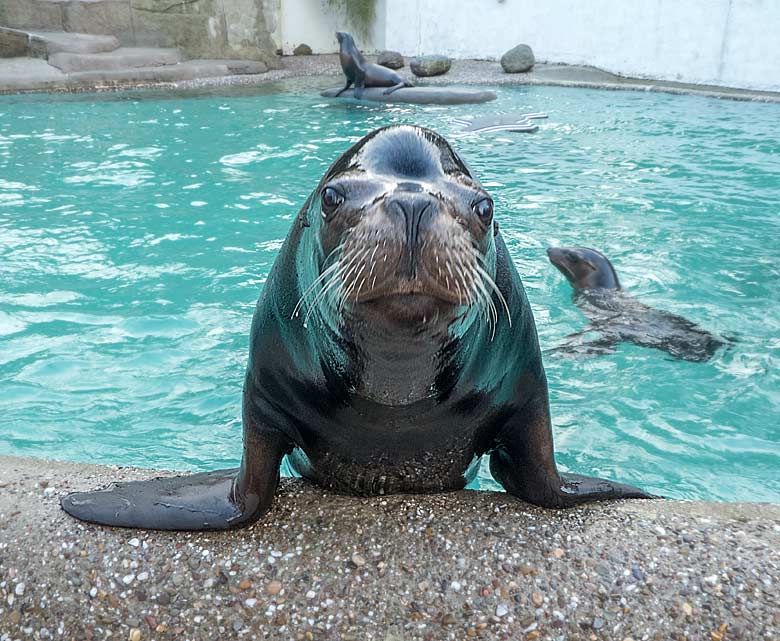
(584, 268)
(406, 231)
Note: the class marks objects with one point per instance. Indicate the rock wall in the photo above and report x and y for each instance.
(200, 28)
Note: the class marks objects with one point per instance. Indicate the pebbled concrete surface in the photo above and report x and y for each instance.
(465, 565)
(488, 73)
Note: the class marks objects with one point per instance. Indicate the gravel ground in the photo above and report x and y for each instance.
(485, 72)
(449, 566)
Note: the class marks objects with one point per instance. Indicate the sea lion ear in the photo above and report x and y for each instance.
(495, 228)
(303, 215)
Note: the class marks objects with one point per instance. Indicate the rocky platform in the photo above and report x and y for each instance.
(446, 566)
(418, 95)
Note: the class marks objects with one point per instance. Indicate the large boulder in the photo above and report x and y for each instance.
(518, 59)
(302, 50)
(430, 65)
(390, 59)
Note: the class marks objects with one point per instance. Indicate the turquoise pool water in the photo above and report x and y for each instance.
(137, 230)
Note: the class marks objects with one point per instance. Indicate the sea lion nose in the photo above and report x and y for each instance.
(415, 210)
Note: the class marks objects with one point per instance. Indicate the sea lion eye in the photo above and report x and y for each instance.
(484, 209)
(331, 199)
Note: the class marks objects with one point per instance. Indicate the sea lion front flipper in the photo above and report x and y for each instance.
(346, 86)
(209, 501)
(360, 85)
(523, 462)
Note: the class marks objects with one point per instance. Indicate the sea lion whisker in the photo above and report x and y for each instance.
(320, 279)
(336, 279)
(490, 306)
(357, 293)
(489, 279)
(464, 280)
(484, 314)
(322, 294)
(355, 265)
(344, 273)
(357, 270)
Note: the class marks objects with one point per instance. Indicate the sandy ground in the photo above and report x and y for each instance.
(449, 566)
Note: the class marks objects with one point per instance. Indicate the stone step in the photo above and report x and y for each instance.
(190, 70)
(42, 44)
(123, 58)
(25, 74)
(34, 74)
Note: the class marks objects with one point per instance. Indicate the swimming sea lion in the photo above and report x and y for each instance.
(392, 346)
(618, 317)
(364, 74)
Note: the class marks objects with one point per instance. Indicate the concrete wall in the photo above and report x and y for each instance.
(200, 28)
(721, 42)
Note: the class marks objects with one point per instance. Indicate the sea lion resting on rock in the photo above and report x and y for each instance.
(618, 317)
(392, 346)
(364, 74)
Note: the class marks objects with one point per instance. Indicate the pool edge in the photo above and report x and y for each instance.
(672, 566)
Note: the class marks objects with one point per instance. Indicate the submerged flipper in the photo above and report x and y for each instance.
(577, 344)
(209, 501)
(524, 464)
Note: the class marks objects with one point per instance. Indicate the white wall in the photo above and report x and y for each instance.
(721, 42)
(315, 23)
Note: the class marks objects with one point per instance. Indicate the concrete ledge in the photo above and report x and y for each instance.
(445, 566)
(120, 59)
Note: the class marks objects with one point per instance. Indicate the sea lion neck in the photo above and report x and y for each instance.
(400, 366)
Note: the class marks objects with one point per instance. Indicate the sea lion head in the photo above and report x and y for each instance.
(344, 38)
(403, 233)
(584, 268)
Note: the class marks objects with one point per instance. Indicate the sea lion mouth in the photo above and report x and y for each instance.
(415, 292)
(558, 259)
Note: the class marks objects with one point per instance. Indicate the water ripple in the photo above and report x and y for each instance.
(135, 236)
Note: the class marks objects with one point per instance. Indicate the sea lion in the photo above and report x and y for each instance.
(392, 346)
(364, 74)
(618, 317)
